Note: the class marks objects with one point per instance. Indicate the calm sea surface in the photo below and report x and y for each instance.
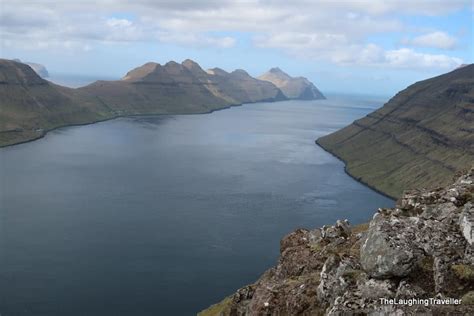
(167, 215)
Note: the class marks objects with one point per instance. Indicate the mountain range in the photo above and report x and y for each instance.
(31, 105)
(419, 138)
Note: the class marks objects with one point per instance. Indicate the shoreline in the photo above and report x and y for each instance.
(46, 131)
(353, 176)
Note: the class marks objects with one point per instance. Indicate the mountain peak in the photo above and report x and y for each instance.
(38, 68)
(141, 72)
(275, 70)
(240, 72)
(217, 71)
(191, 64)
(194, 68)
(15, 72)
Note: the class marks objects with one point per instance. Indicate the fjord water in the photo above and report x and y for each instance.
(167, 215)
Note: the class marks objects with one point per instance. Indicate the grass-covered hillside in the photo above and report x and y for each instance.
(420, 138)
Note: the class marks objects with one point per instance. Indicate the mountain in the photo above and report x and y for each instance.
(293, 88)
(38, 68)
(181, 88)
(29, 104)
(421, 249)
(159, 89)
(420, 138)
(243, 88)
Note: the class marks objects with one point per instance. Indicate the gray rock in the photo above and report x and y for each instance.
(332, 278)
(389, 249)
(466, 223)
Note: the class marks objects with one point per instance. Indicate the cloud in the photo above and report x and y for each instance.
(404, 58)
(336, 31)
(113, 22)
(197, 40)
(437, 39)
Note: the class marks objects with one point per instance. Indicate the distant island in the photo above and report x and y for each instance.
(31, 106)
(293, 88)
(38, 68)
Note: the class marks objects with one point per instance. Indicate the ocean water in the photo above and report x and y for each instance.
(166, 215)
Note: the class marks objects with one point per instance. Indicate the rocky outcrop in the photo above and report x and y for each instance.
(293, 88)
(420, 137)
(417, 253)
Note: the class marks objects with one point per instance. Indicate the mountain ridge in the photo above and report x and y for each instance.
(30, 106)
(411, 141)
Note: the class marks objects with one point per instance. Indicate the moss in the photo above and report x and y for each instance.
(305, 278)
(221, 308)
(361, 228)
(463, 271)
(316, 247)
(426, 264)
(352, 275)
(468, 298)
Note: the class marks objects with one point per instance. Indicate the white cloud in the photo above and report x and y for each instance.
(195, 39)
(113, 22)
(337, 31)
(437, 39)
(373, 55)
(407, 58)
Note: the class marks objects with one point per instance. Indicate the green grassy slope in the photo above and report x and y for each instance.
(29, 105)
(420, 138)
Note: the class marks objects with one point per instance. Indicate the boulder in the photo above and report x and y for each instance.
(389, 249)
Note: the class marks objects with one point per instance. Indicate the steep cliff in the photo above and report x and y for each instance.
(422, 249)
(293, 88)
(421, 137)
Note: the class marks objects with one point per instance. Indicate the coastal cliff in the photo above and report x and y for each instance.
(421, 251)
(422, 136)
(293, 88)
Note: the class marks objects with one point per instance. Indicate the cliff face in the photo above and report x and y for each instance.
(423, 248)
(419, 138)
(293, 88)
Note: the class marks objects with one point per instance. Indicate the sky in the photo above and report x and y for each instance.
(349, 46)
